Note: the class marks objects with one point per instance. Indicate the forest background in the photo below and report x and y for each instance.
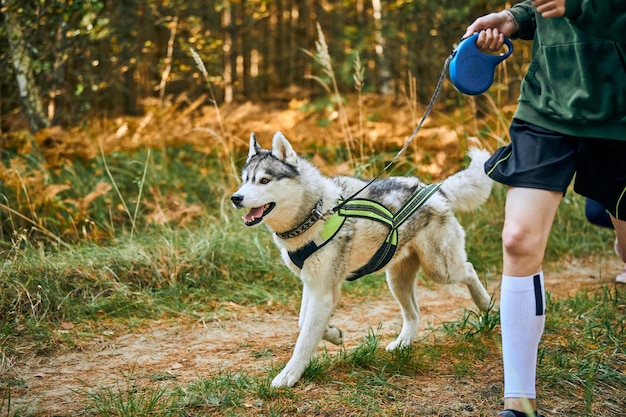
(61, 61)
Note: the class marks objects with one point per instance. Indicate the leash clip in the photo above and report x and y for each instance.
(317, 212)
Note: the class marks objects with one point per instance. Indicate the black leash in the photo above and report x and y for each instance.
(408, 142)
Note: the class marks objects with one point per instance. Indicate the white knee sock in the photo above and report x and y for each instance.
(522, 318)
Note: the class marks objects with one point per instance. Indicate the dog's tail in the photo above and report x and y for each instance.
(468, 189)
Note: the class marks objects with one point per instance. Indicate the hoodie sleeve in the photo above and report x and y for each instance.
(524, 14)
(601, 18)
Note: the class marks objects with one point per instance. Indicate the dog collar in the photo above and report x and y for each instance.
(316, 214)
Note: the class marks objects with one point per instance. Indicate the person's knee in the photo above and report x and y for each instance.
(518, 241)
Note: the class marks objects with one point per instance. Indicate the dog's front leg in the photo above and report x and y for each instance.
(314, 318)
(303, 306)
(331, 334)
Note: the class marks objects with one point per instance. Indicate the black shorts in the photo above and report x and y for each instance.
(547, 160)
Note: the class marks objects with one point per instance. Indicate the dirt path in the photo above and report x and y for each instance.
(248, 341)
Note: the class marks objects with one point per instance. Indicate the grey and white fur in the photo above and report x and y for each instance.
(280, 189)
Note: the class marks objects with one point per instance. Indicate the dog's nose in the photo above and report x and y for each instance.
(237, 199)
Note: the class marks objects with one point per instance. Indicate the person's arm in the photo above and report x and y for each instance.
(516, 22)
(524, 15)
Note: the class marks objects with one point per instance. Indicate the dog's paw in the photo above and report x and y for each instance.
(397, 344)
(392, 346)
(285, 379)
(333, 335)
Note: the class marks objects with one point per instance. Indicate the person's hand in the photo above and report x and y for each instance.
(490, 39)
(492, 29)
(550, 8)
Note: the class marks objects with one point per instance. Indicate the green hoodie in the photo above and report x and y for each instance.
(576, 81)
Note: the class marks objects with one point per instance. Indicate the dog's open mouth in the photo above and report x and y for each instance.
(256, 214)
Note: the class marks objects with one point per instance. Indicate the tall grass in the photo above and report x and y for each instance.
(98, 200)
(329, 82)
(128, 400)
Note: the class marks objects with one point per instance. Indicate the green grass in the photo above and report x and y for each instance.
(129, 401)
(158, 273)
(590, 355)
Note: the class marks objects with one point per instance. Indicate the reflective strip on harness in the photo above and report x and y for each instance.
(372, 210)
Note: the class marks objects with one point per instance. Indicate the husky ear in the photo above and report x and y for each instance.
(255, 148)
(281, 149)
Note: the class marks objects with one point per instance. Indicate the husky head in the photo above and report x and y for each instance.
(263, 179)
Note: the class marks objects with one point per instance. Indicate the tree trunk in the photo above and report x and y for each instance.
(385, 79)
(246, 41)
(130, 23)
(227, 27)
(22, 63)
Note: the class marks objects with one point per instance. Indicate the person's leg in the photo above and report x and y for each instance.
(538, 165)
(620, 233)
(597, 214)
(529, 214)
(620, 246)
(528, 218)
(601, 176)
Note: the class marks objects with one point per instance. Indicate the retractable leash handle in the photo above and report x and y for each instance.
(471, 70)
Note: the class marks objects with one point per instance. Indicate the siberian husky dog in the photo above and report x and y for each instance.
(324, 243)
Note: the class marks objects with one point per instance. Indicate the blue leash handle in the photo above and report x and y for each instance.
(471, 70)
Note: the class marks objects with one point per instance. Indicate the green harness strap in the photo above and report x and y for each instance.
(372, 210)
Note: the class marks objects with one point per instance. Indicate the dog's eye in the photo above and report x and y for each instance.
(264, 181)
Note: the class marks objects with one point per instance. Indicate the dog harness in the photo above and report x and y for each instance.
(367, 209)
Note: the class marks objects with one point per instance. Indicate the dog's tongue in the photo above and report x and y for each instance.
(254, 213)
